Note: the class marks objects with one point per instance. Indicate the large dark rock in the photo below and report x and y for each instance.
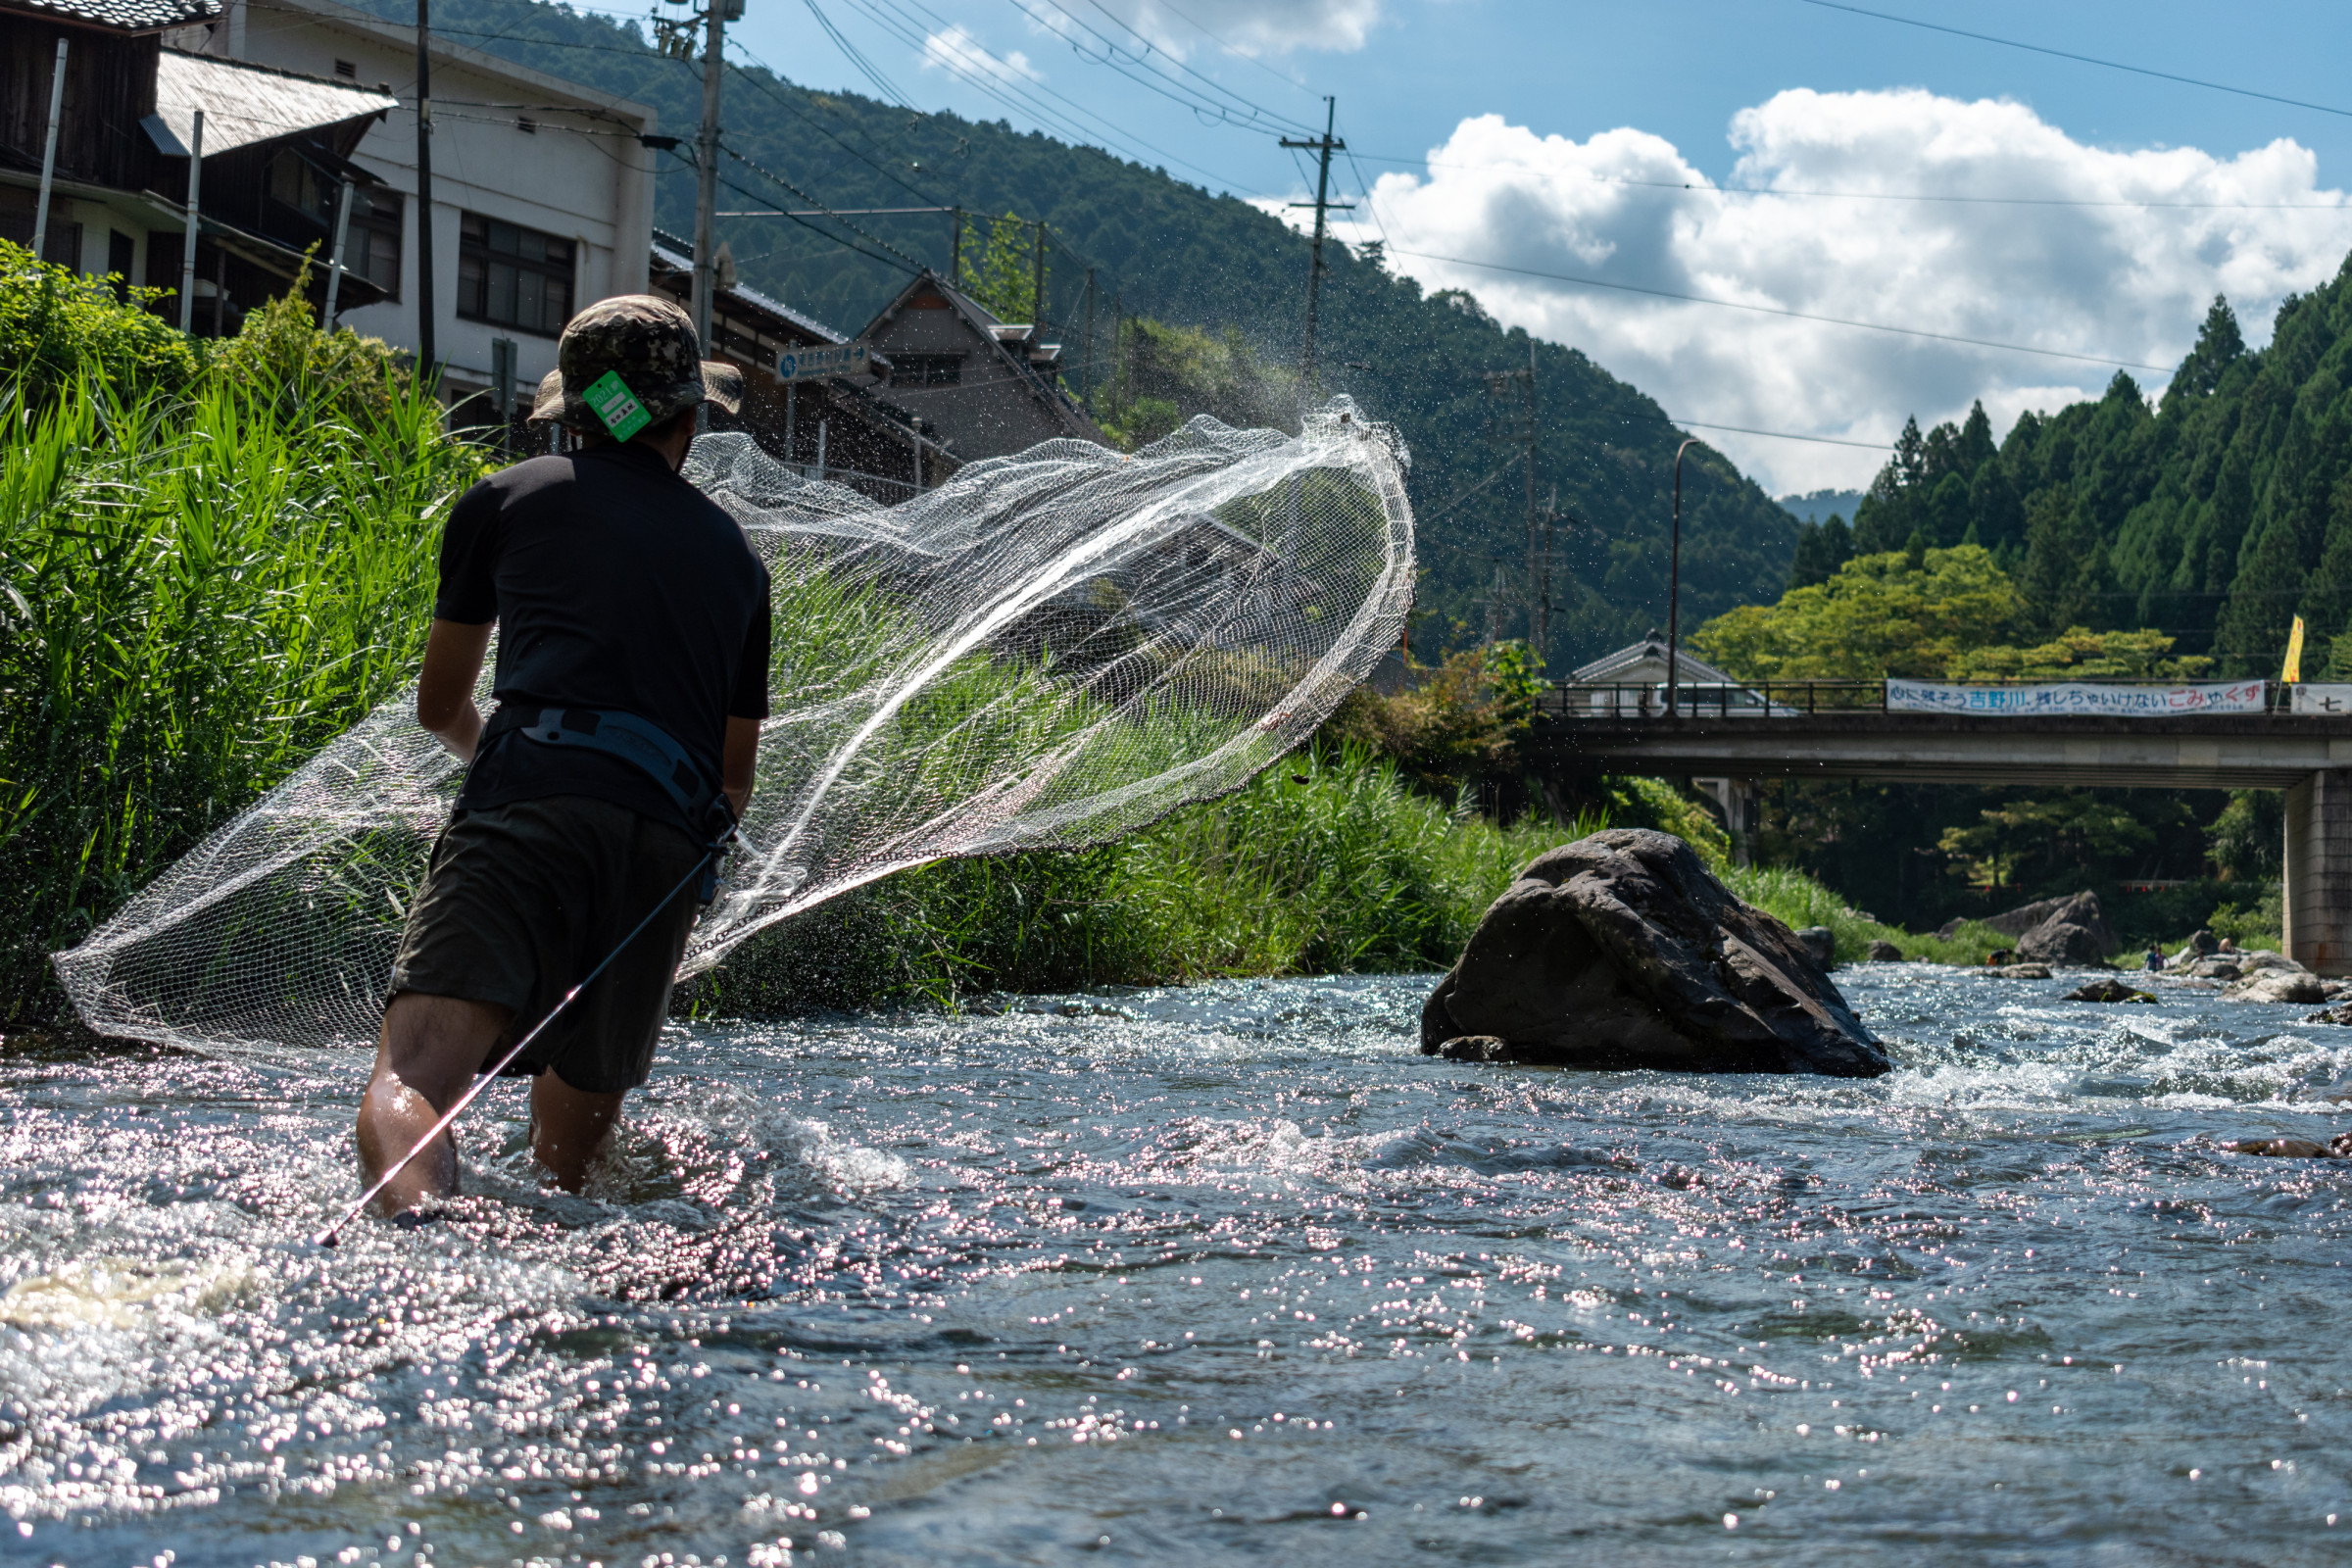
(1621, 950)
(2060, 941)
(2077, 909)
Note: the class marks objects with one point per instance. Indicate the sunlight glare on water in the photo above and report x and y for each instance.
(1222, 1271)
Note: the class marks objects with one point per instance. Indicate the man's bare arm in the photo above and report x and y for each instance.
(453, 662)
(741, 763)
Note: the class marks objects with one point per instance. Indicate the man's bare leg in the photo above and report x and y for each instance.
(570, 1127)
(427, 1053)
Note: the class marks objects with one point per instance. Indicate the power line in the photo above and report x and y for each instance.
(882, 83)
(2087, 59)
(1798, 315)
(1776, 435)
(1158, 82)
(1008, 86)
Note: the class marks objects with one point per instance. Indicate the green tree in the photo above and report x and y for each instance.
(1821, 548)
(1002, 276)
(1881, 614)
(2032, 842)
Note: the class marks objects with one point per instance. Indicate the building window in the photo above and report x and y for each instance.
(926, 369)
(513, 276)
(347, 70)
(297, 182)
(371, 249)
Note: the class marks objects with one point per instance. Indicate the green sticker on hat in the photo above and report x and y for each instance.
(614, 403)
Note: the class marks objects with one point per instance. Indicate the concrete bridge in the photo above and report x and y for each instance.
(1841, 730)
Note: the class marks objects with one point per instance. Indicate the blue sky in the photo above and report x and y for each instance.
(1543, 113)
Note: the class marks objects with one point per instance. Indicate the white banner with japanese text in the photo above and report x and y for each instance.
(2318, 697)
(2073, 697)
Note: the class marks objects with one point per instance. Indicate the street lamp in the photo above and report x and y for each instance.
(1674, 585)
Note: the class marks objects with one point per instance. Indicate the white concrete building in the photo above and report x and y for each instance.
(543, 189)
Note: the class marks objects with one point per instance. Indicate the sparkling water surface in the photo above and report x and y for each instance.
(1222, 1273)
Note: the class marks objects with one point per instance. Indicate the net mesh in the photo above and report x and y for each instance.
(1050, 651)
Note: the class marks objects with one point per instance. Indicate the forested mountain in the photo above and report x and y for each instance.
(2216, 517)
(1171, 251)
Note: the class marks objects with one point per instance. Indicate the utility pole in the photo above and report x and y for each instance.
(955, 250)
(40, 211)
(705, 172)
(426, 362)
(1088, 364)
(187, 249)
(1323, 205)
(1535, 627)
(1674, 588)
(1551, 518)
(1518, 427)
(1037, 278)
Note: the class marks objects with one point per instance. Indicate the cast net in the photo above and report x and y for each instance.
(1049, 651)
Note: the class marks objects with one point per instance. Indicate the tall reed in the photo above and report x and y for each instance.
(199, 590)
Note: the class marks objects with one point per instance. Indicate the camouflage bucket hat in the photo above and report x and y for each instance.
(650, 343)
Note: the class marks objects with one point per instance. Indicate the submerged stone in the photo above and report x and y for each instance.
(2106, 991)
(1622, 949)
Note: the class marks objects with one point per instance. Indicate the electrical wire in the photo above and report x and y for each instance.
(2087, 59)
(1006, 84)
(1798, 315)
(770, 174)
(1259, 118)
(887, 87)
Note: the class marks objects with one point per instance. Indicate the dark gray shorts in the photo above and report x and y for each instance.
(522, 900)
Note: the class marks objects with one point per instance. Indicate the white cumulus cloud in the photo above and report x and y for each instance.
(2086, 250)
(1252, 27)
(958, 53)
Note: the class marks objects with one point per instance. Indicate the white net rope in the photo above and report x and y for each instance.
(1050, 651)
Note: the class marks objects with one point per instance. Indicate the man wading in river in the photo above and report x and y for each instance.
(632, 676)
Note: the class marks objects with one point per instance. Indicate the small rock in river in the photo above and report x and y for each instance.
(2021, 972)
(1883, 951)
(2341, 1012)
(2337, 1148)
(2278, 986)
(2106, 991)
(1471, 1047)
(1821, 942)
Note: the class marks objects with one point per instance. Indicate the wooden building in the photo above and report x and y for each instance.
(989, 387)
(276, 152)
(837, 426)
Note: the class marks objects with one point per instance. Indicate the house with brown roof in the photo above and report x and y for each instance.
(812, 396)
(989, 387)
(274, 140)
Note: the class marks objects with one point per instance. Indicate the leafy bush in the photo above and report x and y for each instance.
(203, 582)
(59, 329)
(1326, 862)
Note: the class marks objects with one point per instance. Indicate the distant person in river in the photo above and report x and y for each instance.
(632, 681)
(2154, 963)
(2229, 945)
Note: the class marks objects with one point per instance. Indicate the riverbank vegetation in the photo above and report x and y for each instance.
(214, 558)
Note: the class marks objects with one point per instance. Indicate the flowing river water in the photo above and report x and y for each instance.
(1222, 1273)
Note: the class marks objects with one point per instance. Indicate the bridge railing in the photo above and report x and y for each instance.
(1765, 699)
(1713, 698)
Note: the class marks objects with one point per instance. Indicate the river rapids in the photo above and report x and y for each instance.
(1226, 1272)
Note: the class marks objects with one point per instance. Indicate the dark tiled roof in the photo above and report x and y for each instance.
(132, 16)
(676, 255)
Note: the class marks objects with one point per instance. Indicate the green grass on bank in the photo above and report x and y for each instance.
(207, 571)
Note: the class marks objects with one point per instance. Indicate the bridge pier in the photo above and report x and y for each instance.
(2318, 872)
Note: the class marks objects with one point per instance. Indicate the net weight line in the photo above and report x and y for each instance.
(482, 1081)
